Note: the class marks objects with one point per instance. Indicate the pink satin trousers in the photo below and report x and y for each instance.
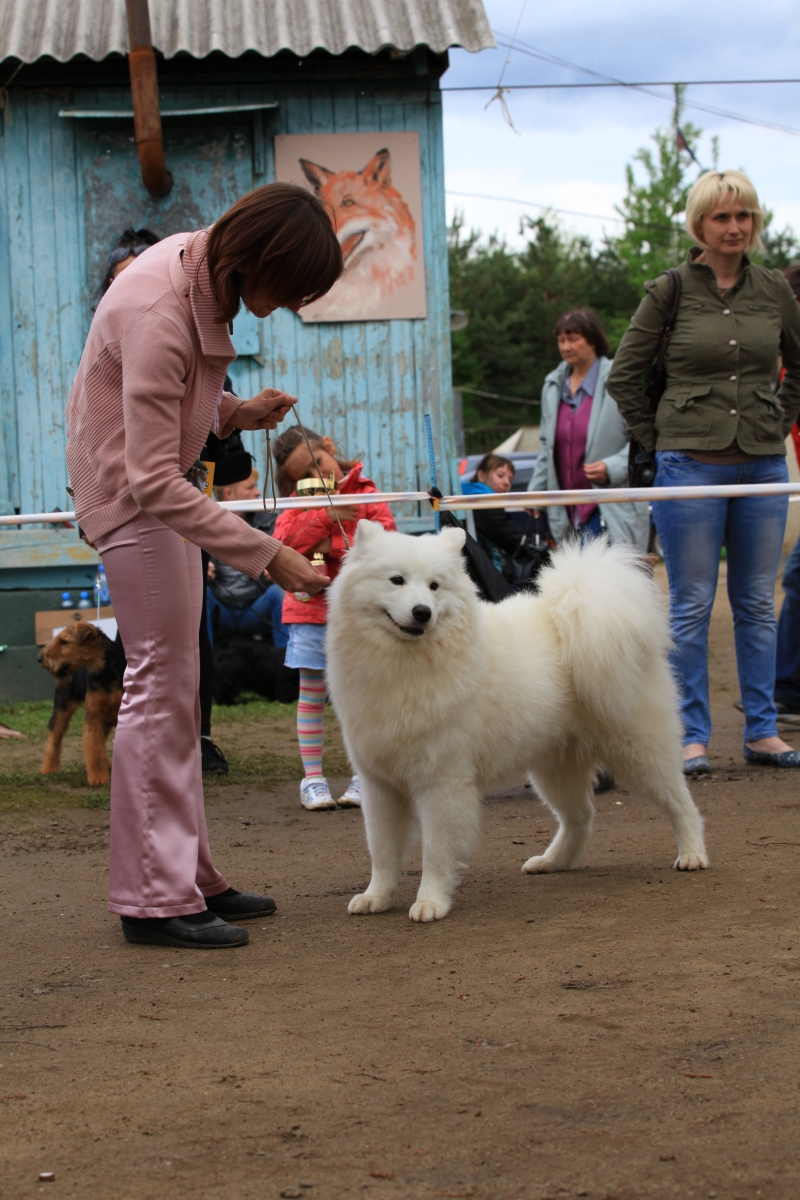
(160, 858)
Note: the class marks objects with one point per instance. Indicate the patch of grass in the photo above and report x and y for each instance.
(31, 716)
(68, 789)
(251, 709)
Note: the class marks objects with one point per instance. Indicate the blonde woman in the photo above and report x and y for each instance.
(719, 421)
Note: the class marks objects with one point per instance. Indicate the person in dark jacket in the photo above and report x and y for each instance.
(238, 604)
(500, 537)
(787, 670)
(719, 421)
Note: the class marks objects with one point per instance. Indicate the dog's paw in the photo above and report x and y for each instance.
(429, 910)
(540, 864)
(369, 904)
(691, 862)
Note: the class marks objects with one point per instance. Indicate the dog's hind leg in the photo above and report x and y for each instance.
(95, 732)
(450, 819)
(566, 788)
(651, 766)
(387, 817)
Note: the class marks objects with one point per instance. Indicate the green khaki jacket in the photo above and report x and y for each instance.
(720, 363)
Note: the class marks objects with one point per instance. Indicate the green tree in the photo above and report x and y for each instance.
(781, 247)
(513, 300)
(655, 238)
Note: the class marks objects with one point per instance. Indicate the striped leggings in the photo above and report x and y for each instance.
(310, 710)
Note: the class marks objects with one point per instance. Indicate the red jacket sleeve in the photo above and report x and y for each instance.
(303, 530)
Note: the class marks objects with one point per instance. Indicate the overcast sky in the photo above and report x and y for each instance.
(573, 145)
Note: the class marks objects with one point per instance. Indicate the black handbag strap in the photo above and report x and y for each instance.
(673, 304)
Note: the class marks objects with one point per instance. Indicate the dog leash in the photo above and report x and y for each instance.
(270, 475)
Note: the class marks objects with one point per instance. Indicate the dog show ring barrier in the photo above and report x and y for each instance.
(485, 500)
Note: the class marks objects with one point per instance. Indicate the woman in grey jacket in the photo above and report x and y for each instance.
(583, 437)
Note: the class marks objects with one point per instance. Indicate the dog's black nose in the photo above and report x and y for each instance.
(421, 614)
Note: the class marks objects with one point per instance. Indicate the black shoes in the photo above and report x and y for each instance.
(214, 761)
(198, 931)
(240, 906)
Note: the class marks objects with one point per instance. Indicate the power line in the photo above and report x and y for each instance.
(671, 83)
(569, 212)
(555, 60)
(496, 396)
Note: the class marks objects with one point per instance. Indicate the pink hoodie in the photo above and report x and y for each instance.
(147, 392)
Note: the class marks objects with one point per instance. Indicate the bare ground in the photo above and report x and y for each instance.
(616, 1031)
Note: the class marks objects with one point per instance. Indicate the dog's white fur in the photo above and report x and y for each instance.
(553, 685)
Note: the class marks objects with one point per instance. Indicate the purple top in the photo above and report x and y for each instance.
(572, 427)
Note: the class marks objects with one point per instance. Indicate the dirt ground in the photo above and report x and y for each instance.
(616, 1031)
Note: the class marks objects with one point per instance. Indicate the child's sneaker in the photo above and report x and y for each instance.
(352, 797)
(315, 793)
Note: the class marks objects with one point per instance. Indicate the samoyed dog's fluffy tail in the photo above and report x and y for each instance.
(612, 624)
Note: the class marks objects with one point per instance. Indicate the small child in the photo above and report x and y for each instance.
(236, 603)
(308, 531)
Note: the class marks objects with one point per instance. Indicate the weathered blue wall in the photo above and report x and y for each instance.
(71, 185)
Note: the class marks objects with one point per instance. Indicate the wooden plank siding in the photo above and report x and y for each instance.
(70, 186)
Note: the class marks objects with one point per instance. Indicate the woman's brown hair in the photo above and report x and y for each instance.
(584, 322)
(280, 233)
(288, 441)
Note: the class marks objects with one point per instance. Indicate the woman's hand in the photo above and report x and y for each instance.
(294, 573)
(212, 570)
(596, 472)
(264, 411)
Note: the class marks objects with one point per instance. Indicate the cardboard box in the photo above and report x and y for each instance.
(46, 622)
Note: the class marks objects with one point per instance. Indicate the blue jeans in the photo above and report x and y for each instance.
(787, 671)
(263, 616)
(692, 533)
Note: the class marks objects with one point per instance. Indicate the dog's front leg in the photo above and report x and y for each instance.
(450, 817)
(387, 816)
(63, 709)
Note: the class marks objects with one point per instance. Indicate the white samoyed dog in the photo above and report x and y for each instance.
(443, 698)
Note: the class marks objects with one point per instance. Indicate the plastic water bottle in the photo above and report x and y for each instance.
(105, 595)
(66, 600)
(84, 601)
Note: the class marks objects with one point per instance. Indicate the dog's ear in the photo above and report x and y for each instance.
(452, 539)
(85, 633)
(367, 534)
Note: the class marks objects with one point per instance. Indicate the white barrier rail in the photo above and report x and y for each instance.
(486, 500)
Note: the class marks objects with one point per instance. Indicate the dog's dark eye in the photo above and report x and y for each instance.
(434, 586)
(398, 580)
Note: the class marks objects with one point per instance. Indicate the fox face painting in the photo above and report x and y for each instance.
(376, 231)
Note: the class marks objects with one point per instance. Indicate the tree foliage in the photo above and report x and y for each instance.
(514, 297)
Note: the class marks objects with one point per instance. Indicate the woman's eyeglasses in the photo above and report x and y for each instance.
(122, 252)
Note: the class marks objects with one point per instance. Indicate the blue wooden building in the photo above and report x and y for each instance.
(231, 77)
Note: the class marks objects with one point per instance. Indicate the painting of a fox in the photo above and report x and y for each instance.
(376, 231)
(375, 224)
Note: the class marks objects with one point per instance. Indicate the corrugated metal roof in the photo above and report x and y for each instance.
(64, 28)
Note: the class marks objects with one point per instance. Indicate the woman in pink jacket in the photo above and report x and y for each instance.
(149, 388)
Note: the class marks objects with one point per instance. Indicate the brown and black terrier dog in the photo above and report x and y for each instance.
(88, 668)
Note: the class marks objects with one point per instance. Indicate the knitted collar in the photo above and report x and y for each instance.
(215, 341)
